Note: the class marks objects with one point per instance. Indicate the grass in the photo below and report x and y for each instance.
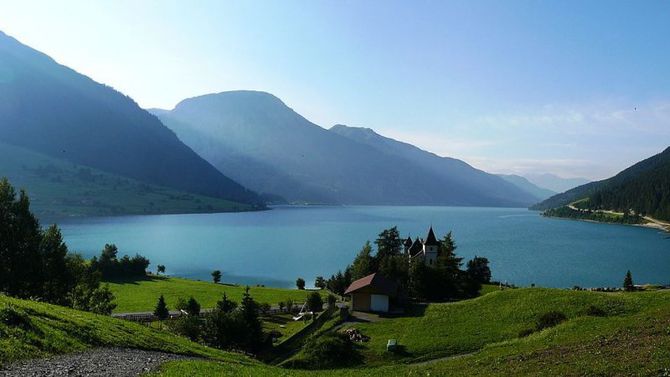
(633, 339)
(142, 295)
(58, 188)
(273, 322)
(40, 330)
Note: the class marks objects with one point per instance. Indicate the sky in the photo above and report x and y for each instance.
(574, 88)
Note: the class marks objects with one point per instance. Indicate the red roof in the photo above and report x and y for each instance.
(377, 282)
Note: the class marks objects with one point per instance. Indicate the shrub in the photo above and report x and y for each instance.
(331, 300)
(188, 326)
(550, 319)
(329, 351)
(315, 302)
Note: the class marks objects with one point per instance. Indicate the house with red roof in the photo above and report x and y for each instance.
(372, 293)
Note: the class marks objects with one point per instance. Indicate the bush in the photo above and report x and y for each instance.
(550, 319)
(190, 306)
(188, 326)
(328, 351)
(315, 302)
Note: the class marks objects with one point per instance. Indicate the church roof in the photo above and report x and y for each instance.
(417, 246)
(431, 240)
(408, 242)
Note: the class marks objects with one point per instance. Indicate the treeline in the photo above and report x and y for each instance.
(445, 280)
(588, 214)
(643, 188)
(35, 262)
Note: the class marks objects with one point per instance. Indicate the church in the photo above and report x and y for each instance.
(423, 250)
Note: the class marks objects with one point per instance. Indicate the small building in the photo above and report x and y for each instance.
(372, 293)
(425, 251)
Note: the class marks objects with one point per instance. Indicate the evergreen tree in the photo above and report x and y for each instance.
(58, 278)
(320, 282)
(388, 243)
(478, 269)
(363, 263)
(226, 305)
(249, 312)
(628, 282)
(161, 311)
(216, 276)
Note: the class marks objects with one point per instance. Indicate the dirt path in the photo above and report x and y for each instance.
(113, 362)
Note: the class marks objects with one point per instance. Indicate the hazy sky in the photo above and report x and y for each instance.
(576, 88)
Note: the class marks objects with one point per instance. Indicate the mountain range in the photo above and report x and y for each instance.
(50, 109)
(539, 193)
(553, 182)
(260, 142)
(643, 188)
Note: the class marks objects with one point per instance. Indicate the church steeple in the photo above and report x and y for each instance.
(431, 240)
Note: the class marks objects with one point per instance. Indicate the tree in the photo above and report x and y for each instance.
(58, 278)
(300, 283)
(628, 285)
(226, 305)
(102, 301)
(249, 311)
(478, 269)
(339, 282)
(364, 262)
(161, 311)
(190, 306)
(332, 300)
(320, 282)
(216, 276)
(447, 253)
(315, 302)
(160, 269)
(388, 243)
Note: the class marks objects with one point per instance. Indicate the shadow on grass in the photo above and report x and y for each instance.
(136, 280)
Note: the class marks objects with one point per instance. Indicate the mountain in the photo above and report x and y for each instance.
(257, 140)
(555, 183)
(643, 188)
(50, 109)
(524, 184)
(59, 188)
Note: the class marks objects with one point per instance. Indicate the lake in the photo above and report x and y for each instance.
(276, 247)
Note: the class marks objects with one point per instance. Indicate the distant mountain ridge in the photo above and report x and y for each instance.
(524, 184)
(262, 143)
(51, 109)
(643, 188)
(553, 182)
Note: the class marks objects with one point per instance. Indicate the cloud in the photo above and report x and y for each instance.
(593, 140)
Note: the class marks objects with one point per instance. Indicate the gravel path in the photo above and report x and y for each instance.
(113, 362)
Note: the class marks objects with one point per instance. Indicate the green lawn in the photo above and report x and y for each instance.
(274, 322)
(142, 295)
(633, 339)
(51, 329)
(59, 188)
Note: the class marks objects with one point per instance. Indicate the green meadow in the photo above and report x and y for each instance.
(142, 295)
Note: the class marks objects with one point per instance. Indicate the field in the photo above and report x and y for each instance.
(631, 336)
(604, 334)
(142, 295)
(58, 188)
(29, 329)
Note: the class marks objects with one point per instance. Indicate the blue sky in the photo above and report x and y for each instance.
(575, 88)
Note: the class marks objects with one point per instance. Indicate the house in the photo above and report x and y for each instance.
(425, 251)
(372, 293)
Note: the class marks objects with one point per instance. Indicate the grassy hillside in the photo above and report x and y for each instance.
(141, 296)
(30, 329)
(630, 339)
(58, 188)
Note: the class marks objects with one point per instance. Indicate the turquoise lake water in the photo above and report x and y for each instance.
(276, 247)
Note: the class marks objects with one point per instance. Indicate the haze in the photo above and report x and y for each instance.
(572, 88)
